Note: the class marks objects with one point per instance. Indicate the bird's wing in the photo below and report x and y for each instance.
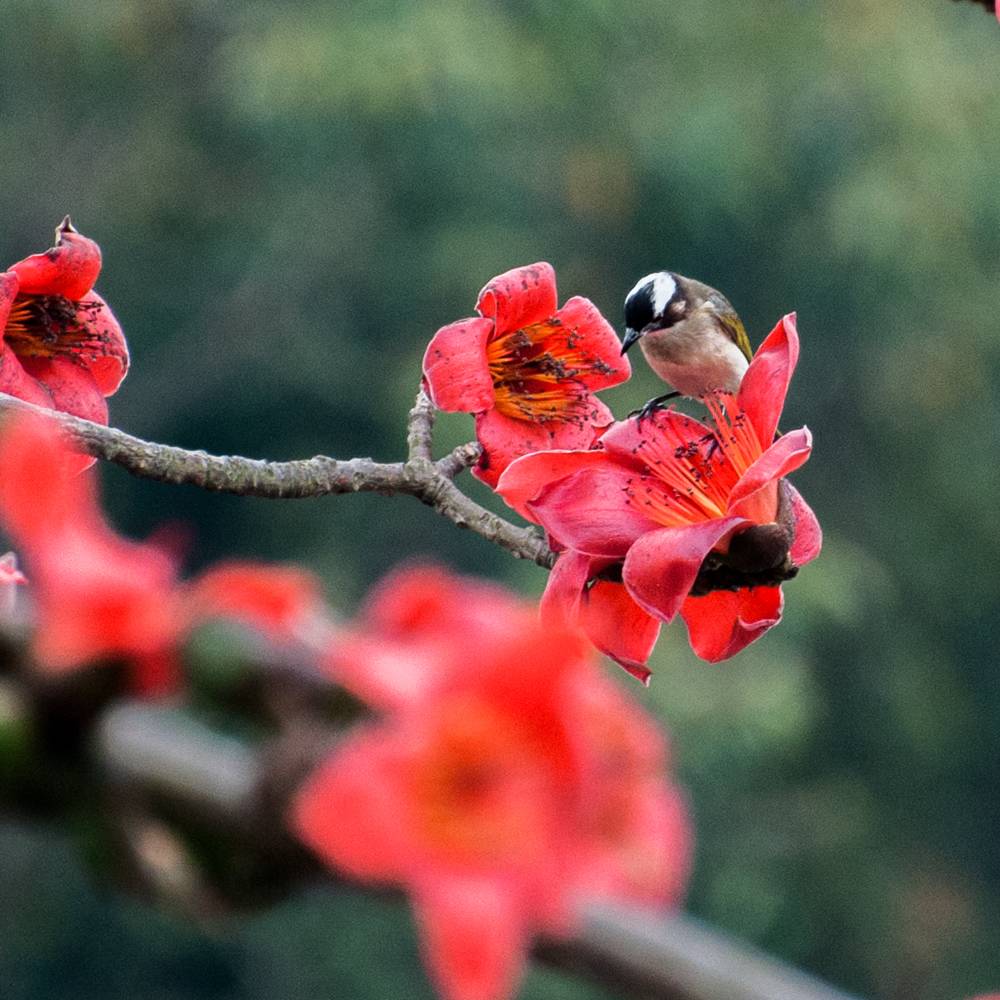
(736, 330)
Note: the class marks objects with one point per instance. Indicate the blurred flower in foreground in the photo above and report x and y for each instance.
(506, 783)
(284, 603)
(672, 516)
(527, 369)
(97, 596)
(61, 346)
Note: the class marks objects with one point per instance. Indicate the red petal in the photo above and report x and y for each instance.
(590, 511)
(474, 936)
(618, 627)
(520, 297)
(624, 440)
(528, 475)
(349, 810)
(38, 500)
(455, 367)
(724, 622)
(106, 356)
(70, 268)
(281, 601)
(595, 339)
(73, 388)
(783, 457)
(560, 603)
(661, 567)
(765, 384)
(505, 438)
(15, 381)
(9, 285)
(808, 534)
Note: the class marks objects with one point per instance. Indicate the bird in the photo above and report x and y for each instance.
(690, 336)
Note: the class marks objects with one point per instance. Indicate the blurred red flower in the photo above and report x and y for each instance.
(285, 603)
(641, 515)
(509, 784)
(527, 369)
(97, 596)
(61, 346)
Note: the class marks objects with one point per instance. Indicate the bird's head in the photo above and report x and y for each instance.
(663, 300)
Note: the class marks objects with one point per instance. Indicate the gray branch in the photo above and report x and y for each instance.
(430, 482)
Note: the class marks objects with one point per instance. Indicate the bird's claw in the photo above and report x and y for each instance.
(656, 403)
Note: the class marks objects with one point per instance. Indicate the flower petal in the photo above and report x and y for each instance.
(528, 475)
(722, 623)
(627, 438)
(349, 809)
(765, 384)
(70, 268)
(618, 627)
(15, 381)
(455, 367)
(38, 500)
(506, 438)
(593, 338)
(560, 603)
(590, 511)
(106, 353)
(784, 456)
(808, 534)
(72, 387)
(282, 601)
(474, 936)
(519, 297)
(662, 565)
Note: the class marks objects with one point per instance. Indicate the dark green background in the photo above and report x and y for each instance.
(292, 197)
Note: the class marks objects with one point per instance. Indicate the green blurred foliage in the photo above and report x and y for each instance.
(292, 197)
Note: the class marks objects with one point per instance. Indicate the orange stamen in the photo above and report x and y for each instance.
(687, 479)
(535, 372)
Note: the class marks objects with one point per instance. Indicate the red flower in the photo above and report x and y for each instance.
(526, 369)
(61, 346)
(97, 595)
(641, 515)
(513, 782)
(283, 602)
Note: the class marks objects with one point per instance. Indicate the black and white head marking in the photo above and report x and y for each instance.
(650, 299)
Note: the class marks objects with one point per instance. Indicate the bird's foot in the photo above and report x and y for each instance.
(656, 403)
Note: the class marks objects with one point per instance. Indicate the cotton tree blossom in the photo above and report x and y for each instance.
(97, 596)
(641, 516)
(61, 346)
(526, 368)
(283, 602)
(509, 784)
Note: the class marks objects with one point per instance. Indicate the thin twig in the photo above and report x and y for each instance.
(420, 428)
(312, 477)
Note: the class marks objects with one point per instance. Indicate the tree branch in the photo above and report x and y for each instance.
(419, 477)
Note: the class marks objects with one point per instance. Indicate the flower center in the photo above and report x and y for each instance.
(43, 326)
(689, 479)
(477, 789)
(535, 372)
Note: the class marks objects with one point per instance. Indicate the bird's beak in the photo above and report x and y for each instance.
(631, 336)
